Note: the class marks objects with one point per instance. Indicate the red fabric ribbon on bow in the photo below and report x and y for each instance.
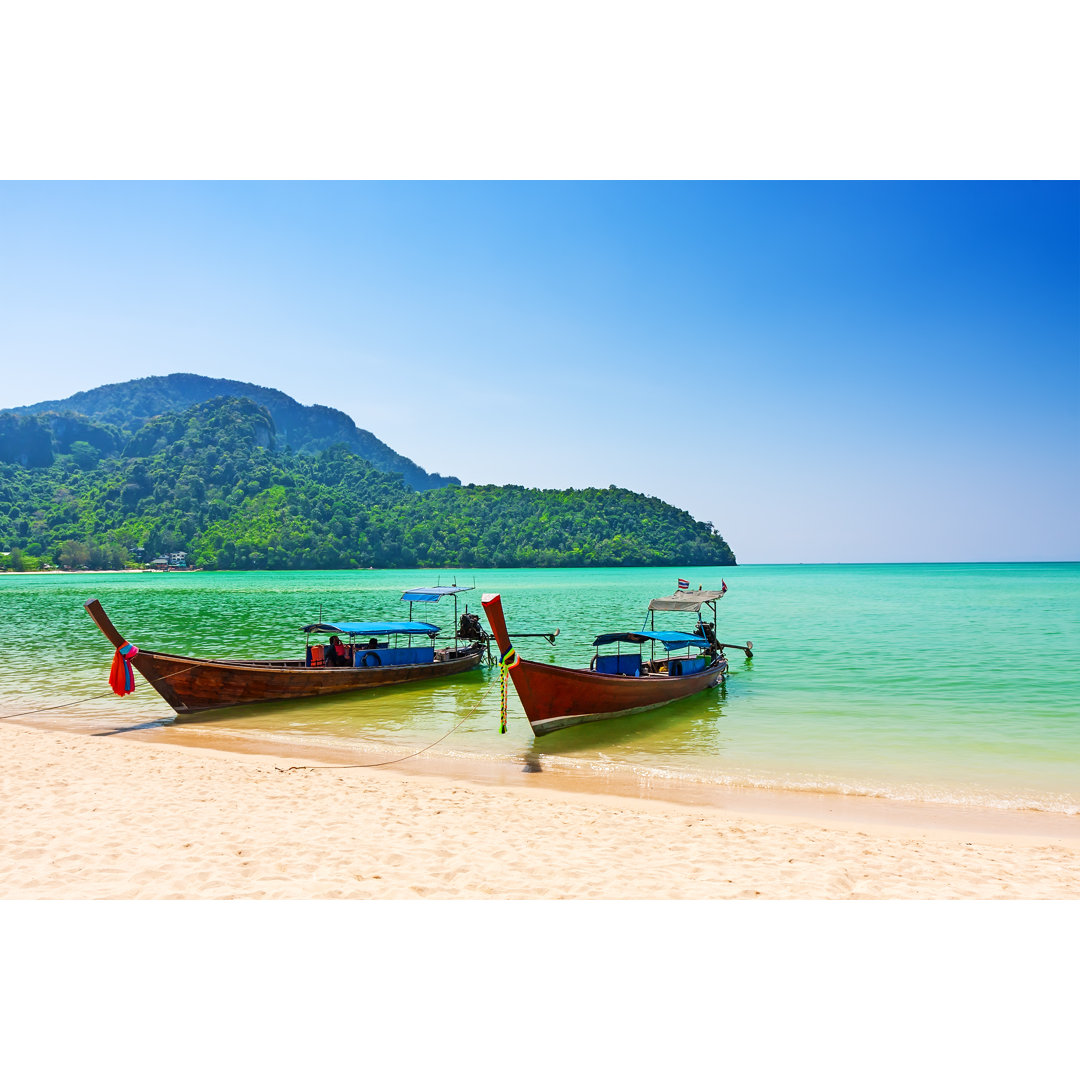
(121, 677)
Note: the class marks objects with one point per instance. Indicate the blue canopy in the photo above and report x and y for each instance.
(434, 592)
(371, 629)
(670, 639)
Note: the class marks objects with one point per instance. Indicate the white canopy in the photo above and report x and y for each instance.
(684, 600)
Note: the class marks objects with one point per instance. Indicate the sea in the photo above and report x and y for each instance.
(948, 684)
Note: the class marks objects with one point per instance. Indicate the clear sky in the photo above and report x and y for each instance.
(828, 372)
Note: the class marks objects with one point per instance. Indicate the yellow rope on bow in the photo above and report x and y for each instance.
(507, 660)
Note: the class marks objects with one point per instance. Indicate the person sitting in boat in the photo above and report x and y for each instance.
(372, 644)
(338, 654)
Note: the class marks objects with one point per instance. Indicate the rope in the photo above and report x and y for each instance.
(97, 697)
(507, 660)
(394, 761)
(50, 708)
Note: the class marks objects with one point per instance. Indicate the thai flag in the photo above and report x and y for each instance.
(683, 583)
(723, 586)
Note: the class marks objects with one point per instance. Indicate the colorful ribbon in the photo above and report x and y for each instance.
(121, 677)
(507, 660)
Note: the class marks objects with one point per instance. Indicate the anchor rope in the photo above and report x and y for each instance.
(50, 708)
(97, 697)
(394, 761)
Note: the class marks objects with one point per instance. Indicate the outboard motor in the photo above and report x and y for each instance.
(708, 631)
(469, 628)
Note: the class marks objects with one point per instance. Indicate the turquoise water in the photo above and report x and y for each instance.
(954, 684)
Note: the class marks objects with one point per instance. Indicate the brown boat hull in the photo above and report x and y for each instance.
(190, 685)
(557, 697)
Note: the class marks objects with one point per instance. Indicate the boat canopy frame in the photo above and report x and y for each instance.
(684, 600)
(670, 639)
(423, 594)
(687, 601)
(432, 594)
(372, 629)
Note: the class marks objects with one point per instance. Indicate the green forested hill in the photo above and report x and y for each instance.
(126, 407)
(214, 481)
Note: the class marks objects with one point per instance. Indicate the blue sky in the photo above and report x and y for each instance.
(826, 371)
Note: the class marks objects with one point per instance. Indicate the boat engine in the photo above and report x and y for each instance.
(708, 631)
(470, 629)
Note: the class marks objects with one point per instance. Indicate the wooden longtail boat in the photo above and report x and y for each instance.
(621, 683)
(190, 684)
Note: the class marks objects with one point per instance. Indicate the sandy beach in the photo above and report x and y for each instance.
(88, 817)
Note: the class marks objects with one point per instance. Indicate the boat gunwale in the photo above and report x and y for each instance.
(292, 665)
(590, 674)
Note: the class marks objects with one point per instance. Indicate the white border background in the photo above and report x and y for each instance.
(837, 90)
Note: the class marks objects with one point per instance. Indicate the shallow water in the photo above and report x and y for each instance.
(952, 684)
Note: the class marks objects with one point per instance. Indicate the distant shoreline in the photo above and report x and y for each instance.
(444, 569)
(188, 570)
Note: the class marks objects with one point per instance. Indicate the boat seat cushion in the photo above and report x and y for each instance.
(688, 665)
(627, 664)
(422, 654)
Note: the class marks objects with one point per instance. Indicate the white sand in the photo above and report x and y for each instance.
(89, 817)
